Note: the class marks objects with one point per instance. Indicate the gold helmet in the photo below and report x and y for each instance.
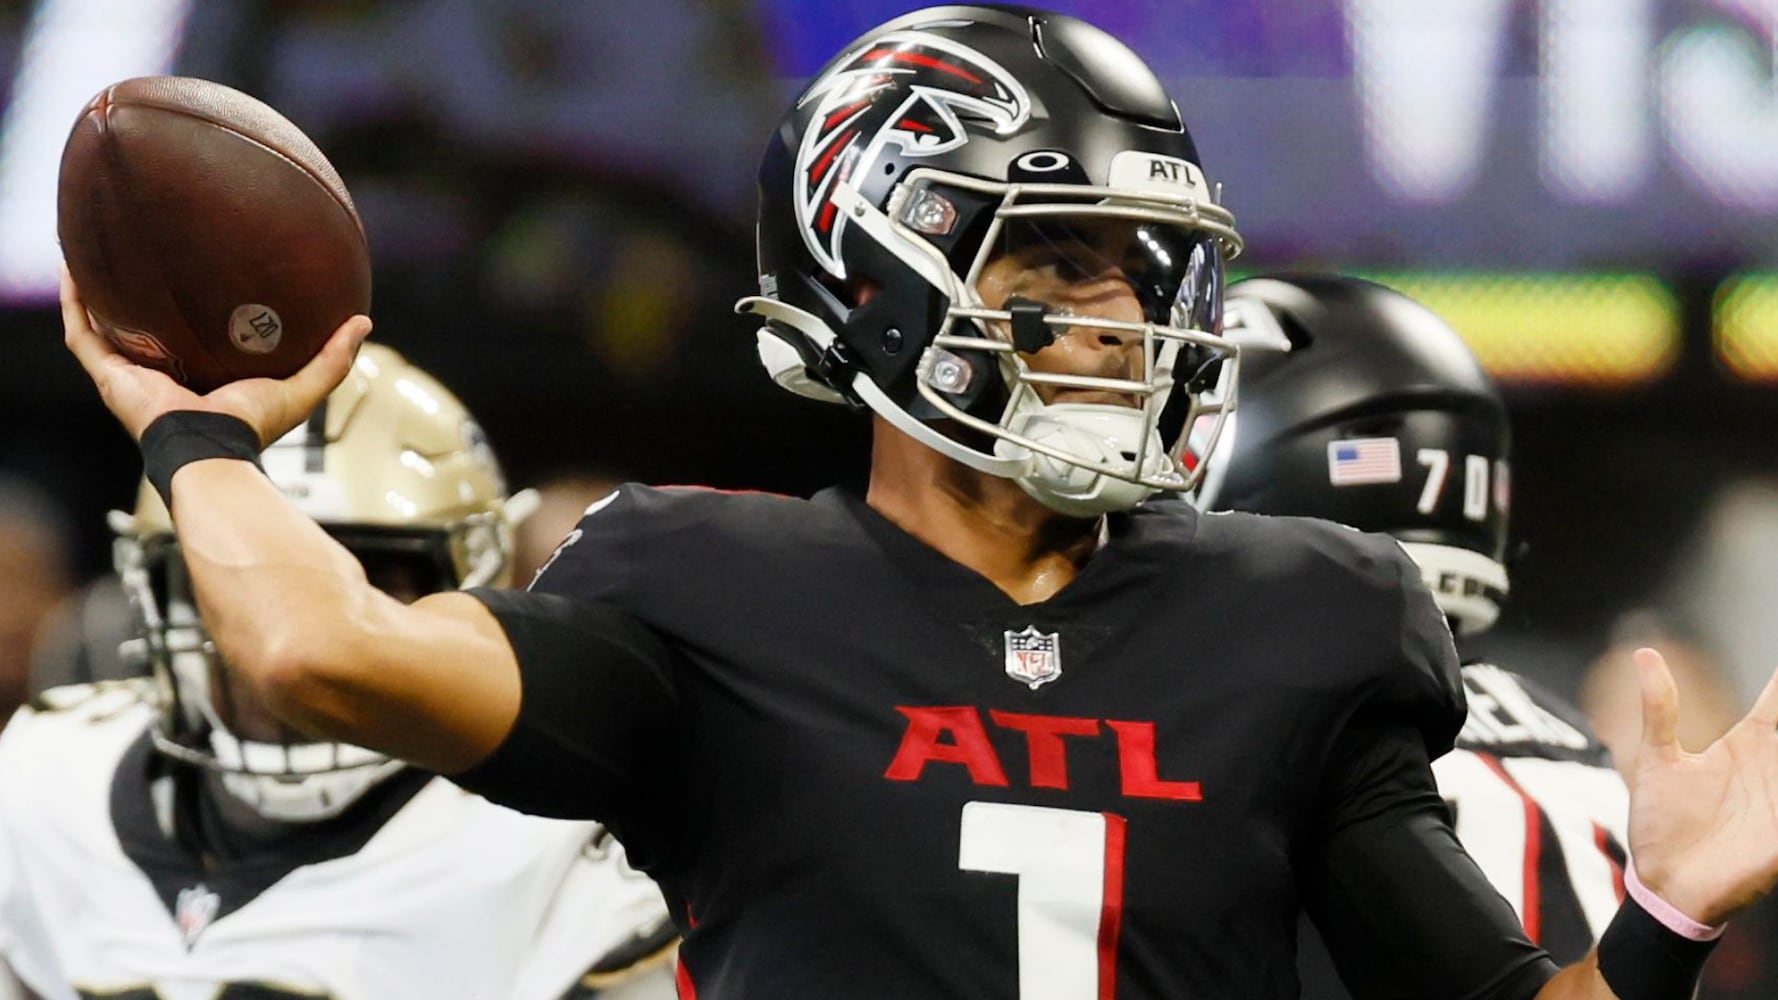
(393, 467)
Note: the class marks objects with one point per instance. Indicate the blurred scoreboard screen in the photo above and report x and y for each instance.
(1562, 133)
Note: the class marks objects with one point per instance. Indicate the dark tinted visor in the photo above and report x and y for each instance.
(1175, 272)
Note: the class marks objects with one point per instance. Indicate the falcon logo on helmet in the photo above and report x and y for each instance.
(908, 88)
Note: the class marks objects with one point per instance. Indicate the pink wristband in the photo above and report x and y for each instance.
(1666, 913)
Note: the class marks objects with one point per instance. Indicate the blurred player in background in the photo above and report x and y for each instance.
(166, 837)
(1361, 406)
(35, 576)
(82, 638)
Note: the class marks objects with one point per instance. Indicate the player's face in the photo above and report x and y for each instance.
(1120, 270)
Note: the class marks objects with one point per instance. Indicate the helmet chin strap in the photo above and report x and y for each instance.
(1109, 434)
(1467, 585)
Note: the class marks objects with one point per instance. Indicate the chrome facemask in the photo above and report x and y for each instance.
(1083, 458)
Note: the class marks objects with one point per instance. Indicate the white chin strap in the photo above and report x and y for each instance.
(1464, 583)
(1111, 435)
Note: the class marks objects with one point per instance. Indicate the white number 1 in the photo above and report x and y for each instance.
(1070, 867)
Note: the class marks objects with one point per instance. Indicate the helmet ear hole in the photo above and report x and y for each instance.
(855, 291)
(1294, 331)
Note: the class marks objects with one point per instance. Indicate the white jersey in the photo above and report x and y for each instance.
(451, 896)
(1539, 807)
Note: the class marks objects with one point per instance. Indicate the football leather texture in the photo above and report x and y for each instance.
(209, 237)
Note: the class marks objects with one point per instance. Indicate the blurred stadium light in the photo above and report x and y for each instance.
(1596, 330)
(1744, 326)
(72, 49)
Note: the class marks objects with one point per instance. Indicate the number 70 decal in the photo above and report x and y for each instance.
(1476, 482)
(1070, 869)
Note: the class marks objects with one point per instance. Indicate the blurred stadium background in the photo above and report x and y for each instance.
(559, 194)
(558, 197)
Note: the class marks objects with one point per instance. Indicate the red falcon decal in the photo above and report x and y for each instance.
(906, 88)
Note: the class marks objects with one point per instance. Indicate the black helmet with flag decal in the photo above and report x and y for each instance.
(943, 140)
(1362, 406)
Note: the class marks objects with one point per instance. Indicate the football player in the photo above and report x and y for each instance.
(995, 728)
(167, 837)
(1361, 406)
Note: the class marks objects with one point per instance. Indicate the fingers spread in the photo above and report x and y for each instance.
(1660, 705)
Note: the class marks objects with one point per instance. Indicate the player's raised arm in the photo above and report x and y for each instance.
(434, 682)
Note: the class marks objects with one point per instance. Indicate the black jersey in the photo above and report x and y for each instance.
(1540, 808)
(860, 770)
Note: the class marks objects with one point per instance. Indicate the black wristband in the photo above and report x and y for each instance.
(1642, 960)
(183, 436)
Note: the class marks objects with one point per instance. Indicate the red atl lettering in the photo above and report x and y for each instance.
(1043, 743)
(1135, 758)
(968, 746)
(954, 734)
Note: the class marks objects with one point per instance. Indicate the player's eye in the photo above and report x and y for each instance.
(1070, 264)
(1062, 251)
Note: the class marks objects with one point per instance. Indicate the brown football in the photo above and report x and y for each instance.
(208, 235)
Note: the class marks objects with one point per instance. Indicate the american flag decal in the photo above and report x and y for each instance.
(1358, 461)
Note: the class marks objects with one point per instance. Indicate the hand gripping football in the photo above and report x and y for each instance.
(208, 235)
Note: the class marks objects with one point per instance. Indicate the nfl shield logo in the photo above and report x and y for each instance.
(193, 911)
(1033, 657)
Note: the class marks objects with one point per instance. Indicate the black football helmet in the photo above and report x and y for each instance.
(949, 137)
(1359, 405)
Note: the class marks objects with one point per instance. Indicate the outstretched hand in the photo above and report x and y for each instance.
(1704, 826)
(136, 394)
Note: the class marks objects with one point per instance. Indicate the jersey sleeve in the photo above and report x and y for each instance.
(1404, 911)
(1419, 681)
(596, 715)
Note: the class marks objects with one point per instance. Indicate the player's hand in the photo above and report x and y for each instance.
(136, 394)
(1704, 826)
